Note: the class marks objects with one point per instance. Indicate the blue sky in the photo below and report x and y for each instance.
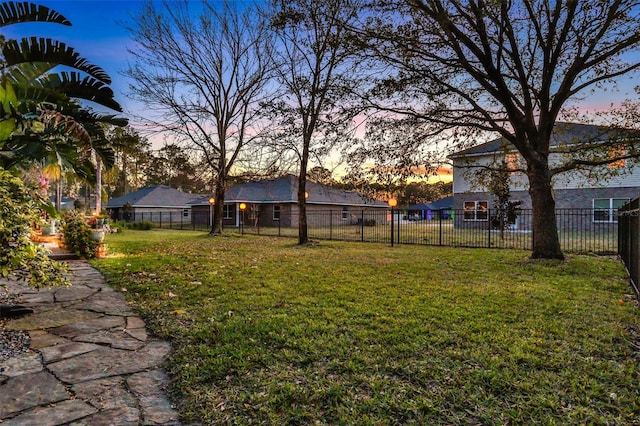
(97, 34)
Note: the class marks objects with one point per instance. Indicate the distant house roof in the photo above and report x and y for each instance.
(563, 134)
(285, 190)
(441, 204)
(420, 207)
(153, 196)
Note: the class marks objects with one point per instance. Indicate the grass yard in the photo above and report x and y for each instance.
(266, 332)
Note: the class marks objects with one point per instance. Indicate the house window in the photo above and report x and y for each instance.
(185, 212)
(604, 209)
(276, 212)
(227, 211)
(512, 160)
(345, 213)
(476, 210)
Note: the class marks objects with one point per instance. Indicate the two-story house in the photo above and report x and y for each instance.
(592, 195)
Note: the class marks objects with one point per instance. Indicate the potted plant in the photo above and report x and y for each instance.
(49, 228)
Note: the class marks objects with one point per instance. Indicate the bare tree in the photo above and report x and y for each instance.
(203, 76)
(513, 67)
(315, 70)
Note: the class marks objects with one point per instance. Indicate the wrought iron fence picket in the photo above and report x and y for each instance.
(579, 231)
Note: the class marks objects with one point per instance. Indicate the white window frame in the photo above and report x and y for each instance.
(609, 212)
(345, 213)
(186, 212)
(276, 212)
(480, 214)
(227, 211)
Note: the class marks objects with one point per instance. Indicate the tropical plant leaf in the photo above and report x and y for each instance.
(64, 126)
(48, 208)
(108, 119)
(16, 12)
(52, 171)
(8, 122)
(7, 126)
(107, 155)
(34, 49)
(76, 86)
(27, 72)
(85, 170)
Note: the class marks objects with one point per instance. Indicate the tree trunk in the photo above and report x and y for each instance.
(98, 184)
(218, 208)
(124, 173)
(59, 194)
(303, 235)
(546, 244)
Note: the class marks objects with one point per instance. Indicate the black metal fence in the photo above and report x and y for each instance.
(579, 230)
(629, 241)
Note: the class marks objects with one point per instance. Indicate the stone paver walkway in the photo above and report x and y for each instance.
(91, 361)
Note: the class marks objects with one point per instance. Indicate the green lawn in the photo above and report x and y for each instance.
(266, 332)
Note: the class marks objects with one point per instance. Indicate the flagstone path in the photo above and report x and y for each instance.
(90, 361)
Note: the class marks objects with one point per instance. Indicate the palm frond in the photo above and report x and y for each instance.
(106, 153)
(76, 86)
(64, 125)
(17, 12)
(34, 49)
(86, 115)
(27, 72)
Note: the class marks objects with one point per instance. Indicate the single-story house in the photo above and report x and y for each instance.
(274, 202)
(429, 211)
(597, 198)
(157, 203)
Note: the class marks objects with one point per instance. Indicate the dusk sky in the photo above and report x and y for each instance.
(98, 34)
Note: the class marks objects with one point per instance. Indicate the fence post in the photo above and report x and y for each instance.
(440, 227)
(362, 226)
(330, 225)
(533, 234)
(392, 236)
(634, 243)
(489, 228)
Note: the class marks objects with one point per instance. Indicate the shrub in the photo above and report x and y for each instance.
(77, 235)
(118, 226)
(369, 222)
(20, 206)
(141, 226)
(145, 225)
